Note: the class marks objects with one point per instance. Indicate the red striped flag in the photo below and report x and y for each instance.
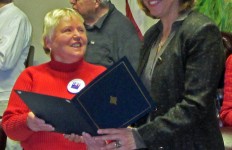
(129, 14)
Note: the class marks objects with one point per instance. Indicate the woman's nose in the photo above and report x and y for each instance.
(77, 37)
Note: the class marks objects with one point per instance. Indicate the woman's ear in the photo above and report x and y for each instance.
(47, 43)
(47, 46)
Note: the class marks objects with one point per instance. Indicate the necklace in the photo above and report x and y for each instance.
(154, 55)
(160, 45)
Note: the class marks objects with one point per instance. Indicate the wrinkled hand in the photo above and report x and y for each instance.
(91, 143)
(74, 138)
(36, 124)
(124, 136)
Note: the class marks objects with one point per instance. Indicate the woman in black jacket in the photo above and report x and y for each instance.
(181, 63)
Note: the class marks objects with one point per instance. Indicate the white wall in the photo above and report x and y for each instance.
(36, 10)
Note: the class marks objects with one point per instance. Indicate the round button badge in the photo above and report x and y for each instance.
(75, 86)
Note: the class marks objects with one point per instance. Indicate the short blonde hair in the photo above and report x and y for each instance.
(184, 5)
(52, 19)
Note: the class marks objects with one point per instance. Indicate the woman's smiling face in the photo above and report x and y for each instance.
(161, 8)
(69, 41)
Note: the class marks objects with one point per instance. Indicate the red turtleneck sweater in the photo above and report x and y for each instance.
(52, 79)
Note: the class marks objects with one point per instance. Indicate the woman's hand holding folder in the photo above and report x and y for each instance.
(36, 124)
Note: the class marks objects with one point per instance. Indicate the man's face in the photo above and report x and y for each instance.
(84, 7)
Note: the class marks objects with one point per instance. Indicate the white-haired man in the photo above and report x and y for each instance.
(110, 33)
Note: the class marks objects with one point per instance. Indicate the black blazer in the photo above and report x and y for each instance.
(184, 84)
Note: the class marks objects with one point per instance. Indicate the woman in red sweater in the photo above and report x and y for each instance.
(64, 38)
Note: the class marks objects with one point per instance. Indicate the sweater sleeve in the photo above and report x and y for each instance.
(226, 109)
(14, 120)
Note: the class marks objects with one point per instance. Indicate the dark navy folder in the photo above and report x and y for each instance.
(115, 99)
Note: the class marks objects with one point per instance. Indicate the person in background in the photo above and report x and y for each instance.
(65, 39)
(225, 112)
(110, 34)
(181, 64)
(15, 40)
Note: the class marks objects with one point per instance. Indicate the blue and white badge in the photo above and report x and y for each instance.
(75, 86)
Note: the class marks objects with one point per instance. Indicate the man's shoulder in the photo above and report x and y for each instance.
(16, 12)
(119, 23)
(116, 15)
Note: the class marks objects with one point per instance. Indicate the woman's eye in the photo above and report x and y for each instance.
(67, 30)
(81, 30)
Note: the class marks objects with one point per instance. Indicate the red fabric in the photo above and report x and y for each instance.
(51, 78)
(226, 109)
(130, 16)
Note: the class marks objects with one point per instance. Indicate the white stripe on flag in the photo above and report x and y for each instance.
(130, 15)
(142, 21)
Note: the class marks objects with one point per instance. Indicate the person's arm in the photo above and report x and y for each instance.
(13, 41)
(226, 109)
